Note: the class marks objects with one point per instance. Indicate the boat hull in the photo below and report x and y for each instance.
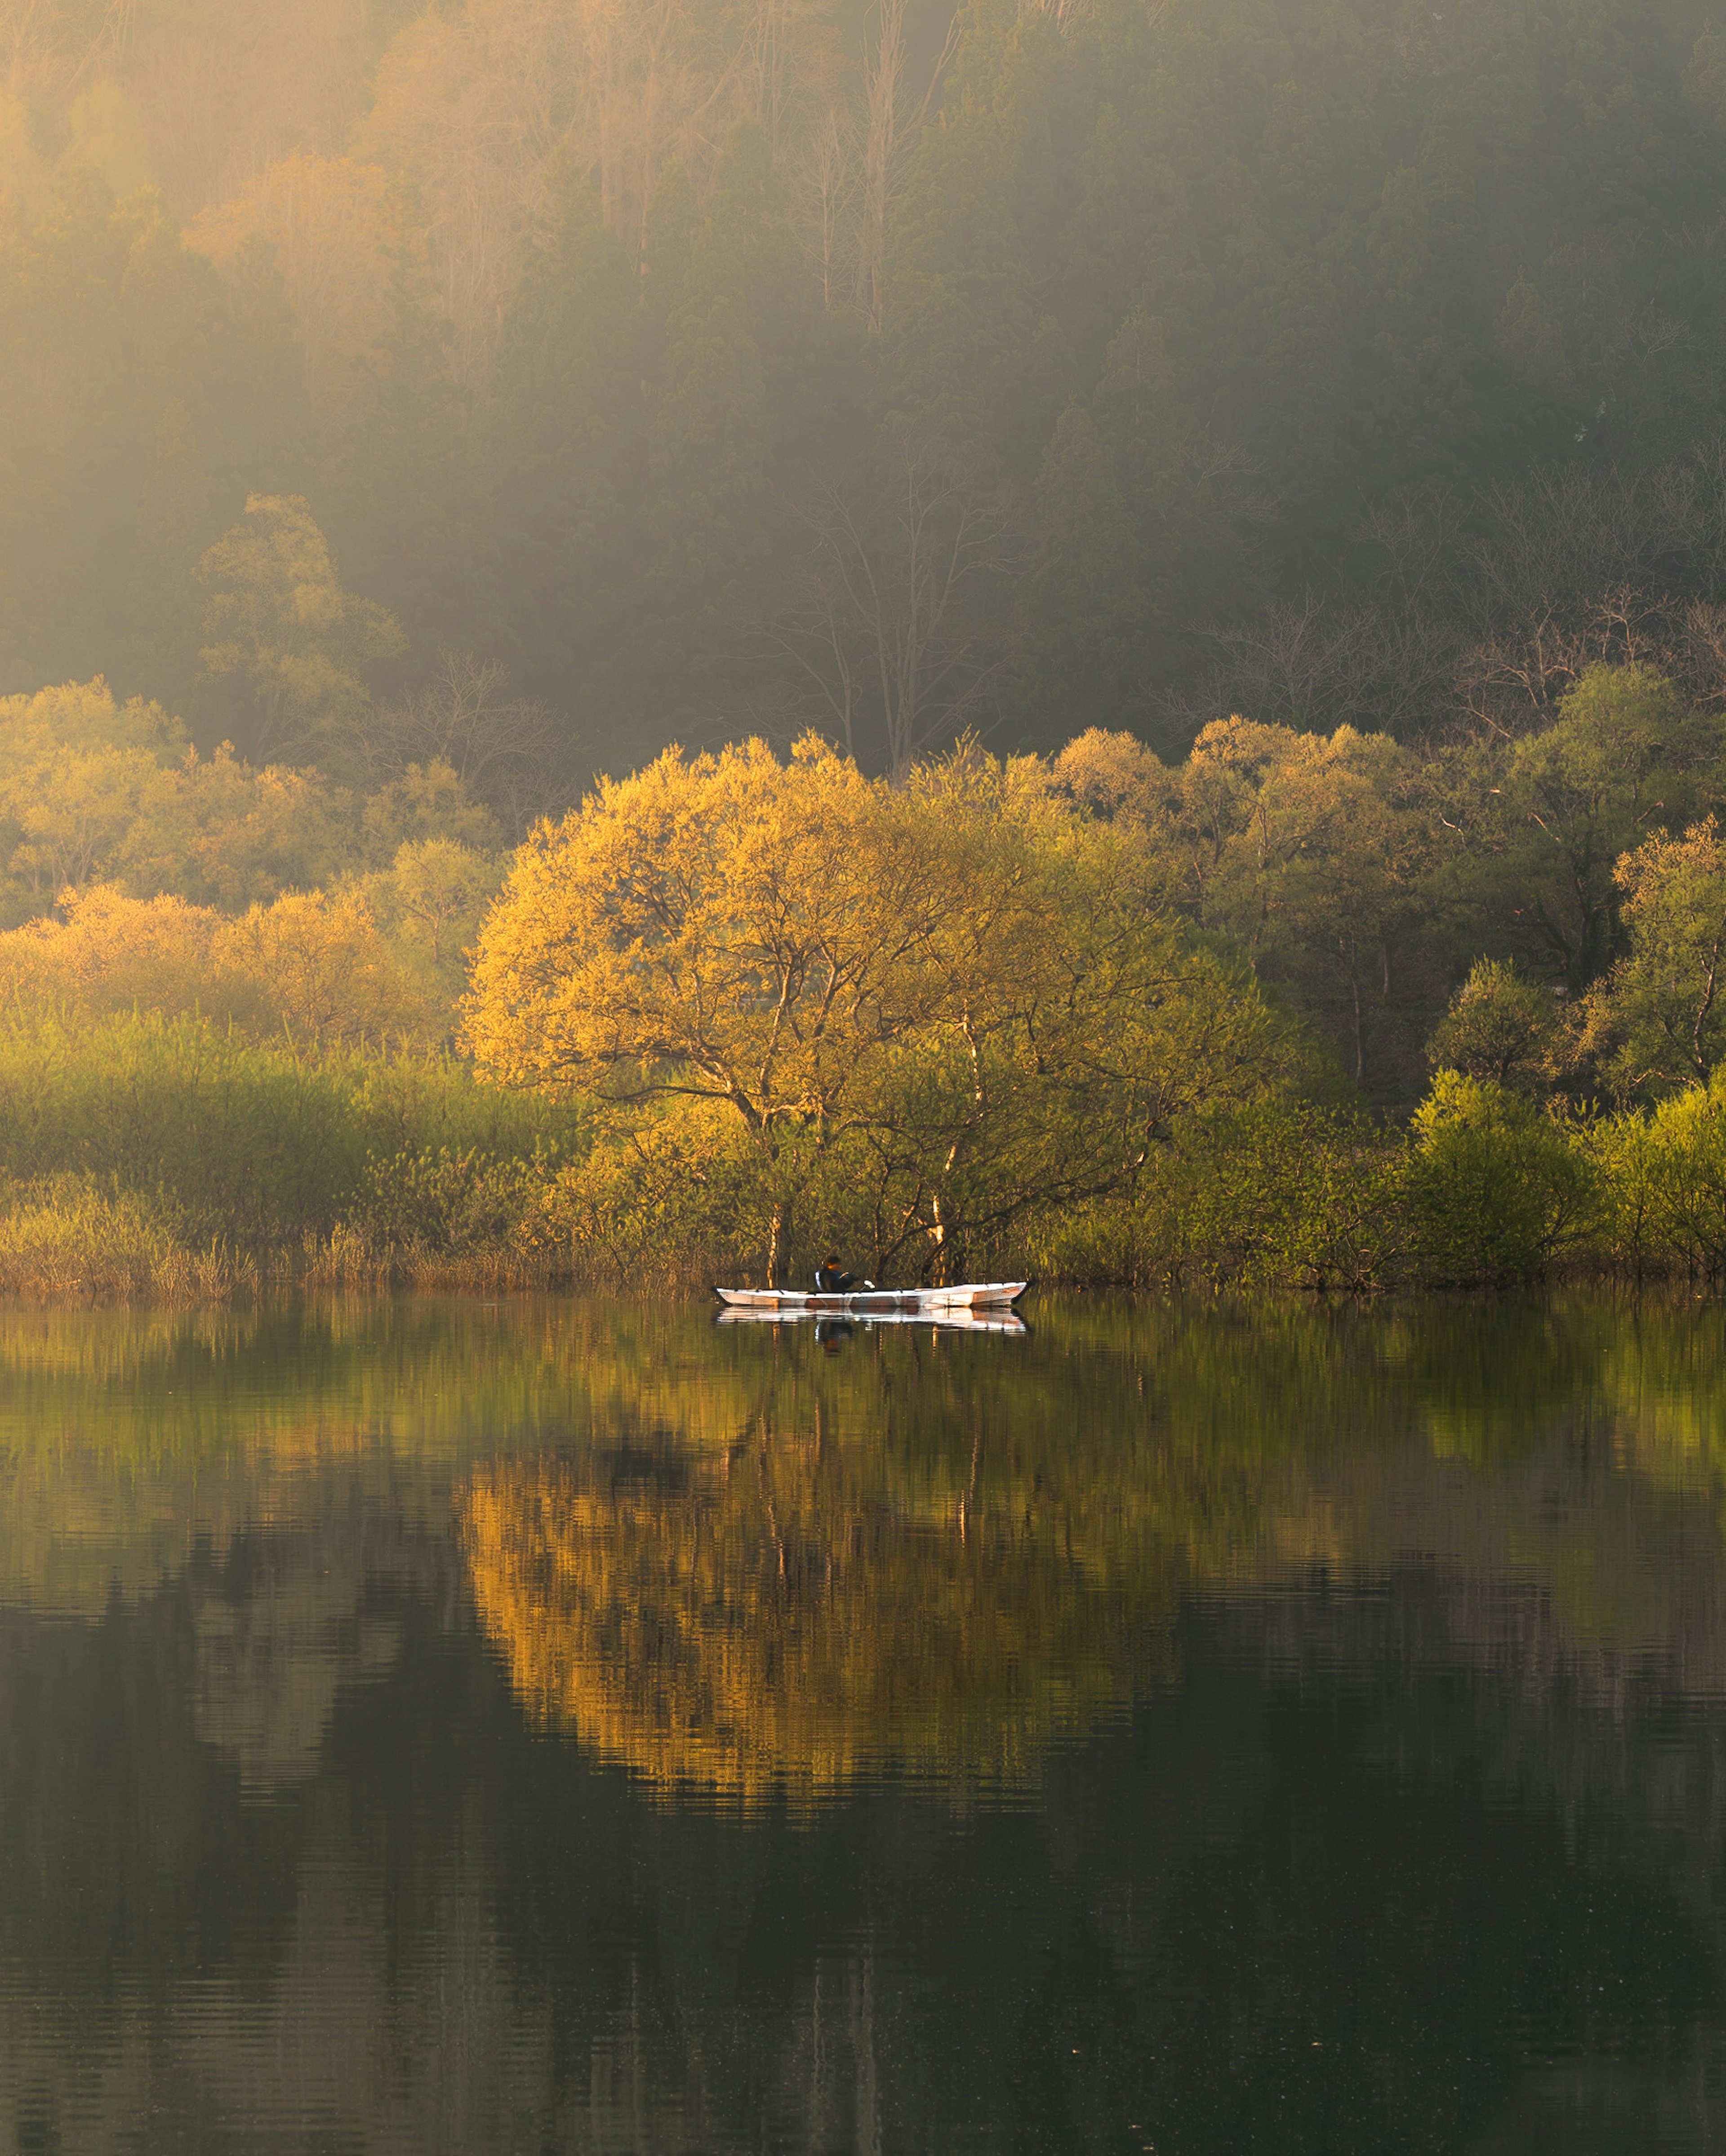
(874, 1301)
(950, 1317)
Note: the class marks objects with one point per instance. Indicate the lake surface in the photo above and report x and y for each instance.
(552, 1727)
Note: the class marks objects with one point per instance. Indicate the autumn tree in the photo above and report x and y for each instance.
(726, 929)
(308, 967)
(942, 1002)
(77, 768)
(1080, 1026)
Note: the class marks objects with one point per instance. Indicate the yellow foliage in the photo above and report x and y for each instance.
(429, 903)
(75, 770)
(1299, 836)
(226, 834)
(749, 922)
(1116, 776)
(323, 965)
(83, 715)
(427, 802)
(111, 951)
(92, 790)
(314, 963)
(967, 985)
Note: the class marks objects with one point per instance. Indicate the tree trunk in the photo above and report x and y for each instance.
(1352, 960)
(941, 1261)
(882, 70)
(779, 1243)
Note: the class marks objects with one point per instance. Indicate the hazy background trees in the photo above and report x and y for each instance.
(1321, 362)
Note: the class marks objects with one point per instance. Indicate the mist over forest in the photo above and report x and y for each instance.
(718, 366)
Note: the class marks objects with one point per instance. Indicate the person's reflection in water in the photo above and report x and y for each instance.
(831, 1330)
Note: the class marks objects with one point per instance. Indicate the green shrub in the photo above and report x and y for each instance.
(1682, 1164)
(255, 1145)
(67, 1237)
(1498, 1188)
(1632, 1228)
(446, 1202)
(1289, 1194)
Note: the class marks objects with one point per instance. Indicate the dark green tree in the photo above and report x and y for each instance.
(569, 470)
(405, 508)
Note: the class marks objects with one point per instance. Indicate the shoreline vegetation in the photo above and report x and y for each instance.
(1004, 1018)
(423, 1193)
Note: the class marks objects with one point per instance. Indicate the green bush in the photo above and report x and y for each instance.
(143, 1156)
(254, 1145)
(446, 1202)
(1680, 1177)
(1290, 1193)
(1293, 1195)
(1498, 1188)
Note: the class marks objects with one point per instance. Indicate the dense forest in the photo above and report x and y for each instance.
(737, 364)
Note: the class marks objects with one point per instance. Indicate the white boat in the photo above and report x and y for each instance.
(950, 1317)
(874, 1301)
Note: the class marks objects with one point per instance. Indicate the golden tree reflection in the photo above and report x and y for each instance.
(776, 1615)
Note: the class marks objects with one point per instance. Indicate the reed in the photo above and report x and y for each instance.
(171, 1159)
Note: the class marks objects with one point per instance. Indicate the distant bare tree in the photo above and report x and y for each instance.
(1477, 614)
(49, 48)
(779, 63)
(826, 186)
(1317, 663)
(895, 637)
(892, 125)
(1064, 12)
(1514, 679)
(507, 751)
(1557, 538)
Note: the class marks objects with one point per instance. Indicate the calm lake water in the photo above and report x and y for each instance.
(558, 1727)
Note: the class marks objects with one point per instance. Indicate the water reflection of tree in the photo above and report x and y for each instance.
(785, 1611)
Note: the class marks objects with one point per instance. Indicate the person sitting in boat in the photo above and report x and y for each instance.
(831, 1279)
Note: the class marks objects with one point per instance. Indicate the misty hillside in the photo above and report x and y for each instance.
(701, 367)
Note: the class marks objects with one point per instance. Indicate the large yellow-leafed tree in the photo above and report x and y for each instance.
(722, 931)
(943, 1004)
